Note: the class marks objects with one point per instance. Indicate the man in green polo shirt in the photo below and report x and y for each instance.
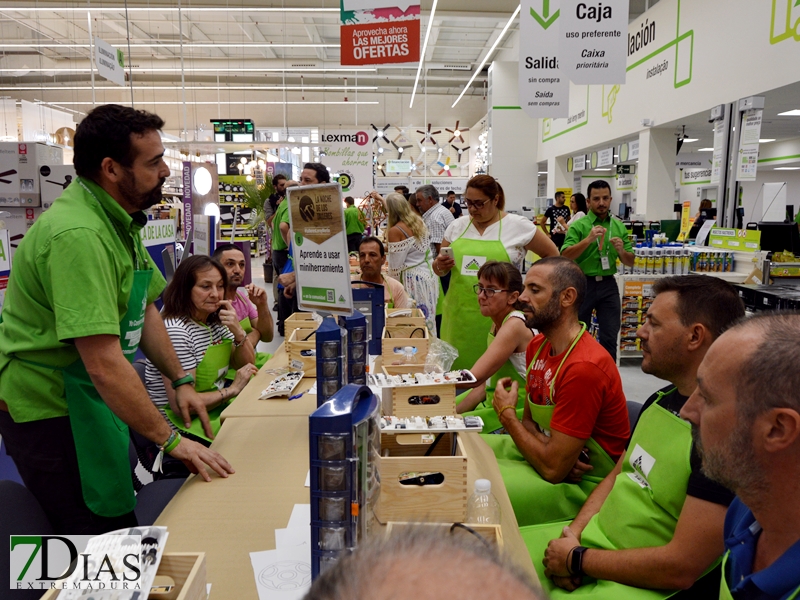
(353, 225)
(595, 242)
(79, 304)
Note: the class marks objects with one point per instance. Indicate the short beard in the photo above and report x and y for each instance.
(545, 317)
(139, 200)
(734, 466)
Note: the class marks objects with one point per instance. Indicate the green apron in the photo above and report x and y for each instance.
(642, 509)
(536, 501)
(485, 410)
(462, 321)
(209, 376)
(725, 590)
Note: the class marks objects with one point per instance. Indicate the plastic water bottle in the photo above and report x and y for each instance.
(482, 506)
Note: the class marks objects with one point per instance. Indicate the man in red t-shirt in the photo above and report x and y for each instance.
(575, 425)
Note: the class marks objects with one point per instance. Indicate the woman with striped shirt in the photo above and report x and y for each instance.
(208, 339)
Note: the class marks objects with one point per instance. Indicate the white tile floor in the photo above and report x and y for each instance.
(638, 386)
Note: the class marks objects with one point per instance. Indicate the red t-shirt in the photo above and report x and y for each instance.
(589, 399)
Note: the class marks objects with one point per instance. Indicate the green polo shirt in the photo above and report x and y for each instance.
(281, 216)
(351, 221)
(71, 277)
(589, 260)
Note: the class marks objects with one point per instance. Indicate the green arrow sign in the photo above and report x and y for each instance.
(545, 20)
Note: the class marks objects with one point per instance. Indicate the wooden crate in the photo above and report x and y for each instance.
(400, 337)
(493, 534)
(443, 503)
(416, 319)
(296, 344)
(403, 369)
(401, 407)
(298, 320)
(184, 570)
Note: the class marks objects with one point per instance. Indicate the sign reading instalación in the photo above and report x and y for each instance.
(375, 32)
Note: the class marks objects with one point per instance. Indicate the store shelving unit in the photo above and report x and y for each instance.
(232, 206)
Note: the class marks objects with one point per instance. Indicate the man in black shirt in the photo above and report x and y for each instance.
(557, 233)
(451, 204)
(656, 521)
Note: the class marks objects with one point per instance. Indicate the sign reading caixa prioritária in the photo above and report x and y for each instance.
(76, 562)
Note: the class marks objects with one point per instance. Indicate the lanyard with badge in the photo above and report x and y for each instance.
(605, 263)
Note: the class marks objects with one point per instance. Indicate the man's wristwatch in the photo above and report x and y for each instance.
(183, 381)
(576, 564)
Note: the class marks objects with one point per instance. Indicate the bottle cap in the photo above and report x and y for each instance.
(483, 486)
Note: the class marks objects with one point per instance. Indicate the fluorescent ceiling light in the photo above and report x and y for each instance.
(790, 113)
(787, 169)
(258, 88)
(176, 45)
(488, 54)
(705, 149)
(201, 70)
(542, 172)
(161, 9)
(765, 140)
(602, 169)
(689, 140)
(198, 103)
(424, 48)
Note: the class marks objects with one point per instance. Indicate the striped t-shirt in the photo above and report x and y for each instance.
(190, 340)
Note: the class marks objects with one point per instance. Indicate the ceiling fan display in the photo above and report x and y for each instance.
(380, 133)
(460, 151)
(428, 135)
(456, 133)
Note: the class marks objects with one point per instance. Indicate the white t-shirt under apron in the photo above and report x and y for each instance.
(516, 233)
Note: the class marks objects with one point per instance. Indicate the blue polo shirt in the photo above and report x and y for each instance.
(779, 581)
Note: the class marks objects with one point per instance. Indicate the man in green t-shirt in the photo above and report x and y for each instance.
(595, 242)
(79, 304)
(353, 225)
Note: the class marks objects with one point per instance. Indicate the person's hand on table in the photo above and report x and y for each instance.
(227, 316)
(579, 470)
(242, 378)
(190, 403)
(257, 295)
(618, 244)
(196, 456)
(556, 558)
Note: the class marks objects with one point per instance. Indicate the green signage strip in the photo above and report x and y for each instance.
(742, 240)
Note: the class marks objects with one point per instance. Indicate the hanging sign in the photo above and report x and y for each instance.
(592, 46)
(543, 87)
(348, 156)
(319, 248)
(686, 221)
(579, 162)
(605, 157)
(110, 62)
(375, 32)
(747, 159)
(633, 150)
(188, 217)
(716, 160)
(744, 240)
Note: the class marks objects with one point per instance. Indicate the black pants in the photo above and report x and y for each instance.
(558, 239)
(603, 297)
(353, 241)
(279, 259)
(44, 452)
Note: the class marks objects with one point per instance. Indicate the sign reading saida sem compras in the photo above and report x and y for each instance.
(319, 248)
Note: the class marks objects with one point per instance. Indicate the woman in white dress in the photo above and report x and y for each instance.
(409, 251)
(577, 204)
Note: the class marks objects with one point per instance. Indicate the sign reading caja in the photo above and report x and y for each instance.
(319, 248)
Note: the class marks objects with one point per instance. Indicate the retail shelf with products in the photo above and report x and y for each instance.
(233, 208)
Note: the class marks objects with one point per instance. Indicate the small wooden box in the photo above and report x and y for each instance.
(296, 344)
(402, 407)
(442, 503)
(416, 319)
(493, 534)
(298, 320)
(186, 571)
(403, 369)
(400, 337)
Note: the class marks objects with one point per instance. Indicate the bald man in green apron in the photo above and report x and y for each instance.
(575, 421)
(654, 525)
(79, 304)
(746, 416)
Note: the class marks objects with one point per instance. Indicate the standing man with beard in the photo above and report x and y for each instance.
(78, 306)
(745, 416)
(576, 408)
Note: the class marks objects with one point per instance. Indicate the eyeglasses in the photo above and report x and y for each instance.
(489, 292)
(476, 204)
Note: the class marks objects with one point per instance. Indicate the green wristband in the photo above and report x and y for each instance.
(183, 381)
(172, 442)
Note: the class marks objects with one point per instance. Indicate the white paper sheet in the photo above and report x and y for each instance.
(308, 479)
(282, 574)
(291, 538)
(301, 517)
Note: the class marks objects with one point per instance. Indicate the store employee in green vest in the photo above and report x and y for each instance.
(575, 421)
(655, 522)
(745, 414)
(354, 226)
(78, 305)
(595, 242)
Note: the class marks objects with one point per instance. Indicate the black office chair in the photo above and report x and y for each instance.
(634, 408)
(20, 514)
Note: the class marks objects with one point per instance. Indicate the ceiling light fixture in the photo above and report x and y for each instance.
(241, 102)
(790, 113)
(689, 140)
(705, 149)
(786, 169)
(161, 9)
(176, 45)
(200, 70)
(488, 54)
(766, 140)
(243, 88)
(422, 55)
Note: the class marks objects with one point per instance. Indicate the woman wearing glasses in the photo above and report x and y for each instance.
(486, 233)
(498, 289)
(409, 252)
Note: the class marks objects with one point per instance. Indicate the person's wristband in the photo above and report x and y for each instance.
(172, 442)
(505, 408)
(575, 561)
(238, 344)
(188, 378)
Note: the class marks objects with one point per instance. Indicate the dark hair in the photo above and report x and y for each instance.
(371, 239)
(277, 178)
(106, 133)
(178, 295)
(703, 299)
(323, 176)
(506, 275)
(597, 184)
(580, 200)
(217, 254)
(401, 188)
(450, 192)
(349, 200)
(566, 274)
(559, 194)
(489, 187)
(705, 204)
